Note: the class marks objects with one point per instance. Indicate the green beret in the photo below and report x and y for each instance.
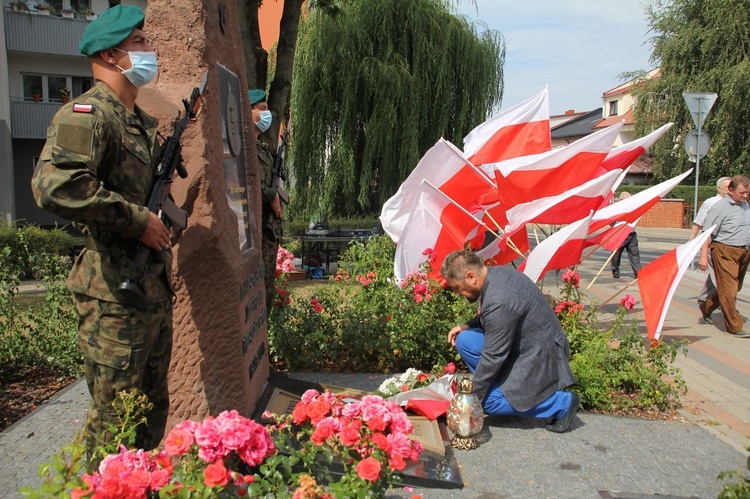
(111, 28)
(256, 95)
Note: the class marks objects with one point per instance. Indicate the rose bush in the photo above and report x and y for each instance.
(363, 321)
(615, 369)
(325, 448)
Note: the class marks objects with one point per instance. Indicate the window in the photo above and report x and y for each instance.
(44, 87)
(613, 108)
(57, 4)
(114, 3)
(32, 87)
(80, 5)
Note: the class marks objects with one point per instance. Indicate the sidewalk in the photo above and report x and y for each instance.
(603, 456)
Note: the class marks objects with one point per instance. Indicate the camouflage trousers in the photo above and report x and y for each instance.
(269, 250)
(124, 348)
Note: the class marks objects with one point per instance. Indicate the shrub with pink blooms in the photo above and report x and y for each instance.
(362, 321)
(196, 461)
(616, 370)
(325, 448)
(369, 439)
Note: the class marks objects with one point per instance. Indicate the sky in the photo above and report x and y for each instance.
(577, 47)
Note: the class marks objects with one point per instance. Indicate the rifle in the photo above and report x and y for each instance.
(277, 175)
(160, 201)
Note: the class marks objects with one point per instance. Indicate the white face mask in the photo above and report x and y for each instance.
(265, 120)
(143, 67)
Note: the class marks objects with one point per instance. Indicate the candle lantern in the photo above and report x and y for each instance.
(465, 416)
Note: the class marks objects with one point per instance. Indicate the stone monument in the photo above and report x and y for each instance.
(220, 353)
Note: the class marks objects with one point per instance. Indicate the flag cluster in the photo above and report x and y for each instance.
(507, 177)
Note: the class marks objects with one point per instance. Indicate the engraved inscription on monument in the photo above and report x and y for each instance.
(234, 157)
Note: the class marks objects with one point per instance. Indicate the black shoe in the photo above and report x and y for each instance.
(616, 276)
(561, 425)
(741, 334)
(706, 316)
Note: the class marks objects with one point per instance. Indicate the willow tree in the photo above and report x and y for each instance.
(374, 87)
(700, 46)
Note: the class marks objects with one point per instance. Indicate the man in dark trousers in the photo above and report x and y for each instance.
(515, 347)
(96, 169)
(631, 246)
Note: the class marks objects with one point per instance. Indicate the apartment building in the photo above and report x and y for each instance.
(40, 68)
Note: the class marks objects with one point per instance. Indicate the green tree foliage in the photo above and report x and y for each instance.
(375, 86)
(700, 46)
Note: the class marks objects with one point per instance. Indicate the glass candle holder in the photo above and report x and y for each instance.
(465, 415)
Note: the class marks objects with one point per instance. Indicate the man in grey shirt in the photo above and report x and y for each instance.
(515, 347)
(709, 288)
(730, 254)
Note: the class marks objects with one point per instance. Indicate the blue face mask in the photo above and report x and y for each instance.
(143, 67)
(265, 121)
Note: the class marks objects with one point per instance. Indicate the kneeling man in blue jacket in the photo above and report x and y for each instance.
(515, 347)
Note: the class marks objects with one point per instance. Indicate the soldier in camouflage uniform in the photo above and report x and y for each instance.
(269, 196)
(96, 169)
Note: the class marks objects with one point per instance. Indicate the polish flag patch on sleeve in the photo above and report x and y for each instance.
(83, 108)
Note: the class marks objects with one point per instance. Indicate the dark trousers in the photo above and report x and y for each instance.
(730, 266)
(631, 245)
(124, 348)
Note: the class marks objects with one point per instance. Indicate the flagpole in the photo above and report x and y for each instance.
(600, 270)
(462, 209)
(617, 294)
(469, 214)
(509, 242)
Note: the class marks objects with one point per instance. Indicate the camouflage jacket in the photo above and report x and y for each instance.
(96, 169)
(265, 164)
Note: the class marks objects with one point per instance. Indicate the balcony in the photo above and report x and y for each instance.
(30, 120)
(26, 32)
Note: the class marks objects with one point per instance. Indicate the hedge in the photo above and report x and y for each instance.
(33, 240)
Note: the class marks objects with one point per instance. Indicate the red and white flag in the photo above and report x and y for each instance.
(444, 166)
(437, 226)
(625, 155)
(525, 179)
(506, 249)
(564, 208)
(658, 281)
(560, 250)
(612, 238)
(632, 208)
(518, 131)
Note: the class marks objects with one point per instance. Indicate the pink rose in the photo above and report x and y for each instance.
(450, 368)
(178, 442)
(400, 445)
(628, 301)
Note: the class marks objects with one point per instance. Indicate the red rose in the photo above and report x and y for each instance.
(450, 368)
(349, 435)
(368, 469)
(299, 414)
(376, 423)
(216, 474)
(317, 410)
(381, 441)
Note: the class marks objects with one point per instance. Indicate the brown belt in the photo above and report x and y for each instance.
(745, 247)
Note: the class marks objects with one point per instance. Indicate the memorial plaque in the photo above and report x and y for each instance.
(233, 153)
(436, 467)
(220, 351)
